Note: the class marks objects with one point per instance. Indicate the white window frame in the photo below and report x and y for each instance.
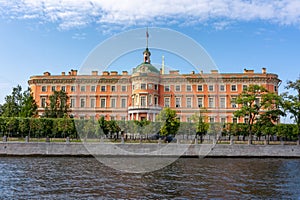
(190, 105)
(201, 88)
(167, 100)
(201, 102)
(178, 104)
(231, 88)
(103, 106)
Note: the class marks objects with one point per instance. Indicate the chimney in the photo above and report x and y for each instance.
(214, 71)
(94, 73)
(113, 73)
(264, 70)
(47, 74)
(124, 72)
(192, 72)
(105, 73)
(63, 73)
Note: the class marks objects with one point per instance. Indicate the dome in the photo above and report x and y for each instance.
(145, 67)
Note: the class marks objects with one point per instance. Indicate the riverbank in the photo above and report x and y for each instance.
(172, 150)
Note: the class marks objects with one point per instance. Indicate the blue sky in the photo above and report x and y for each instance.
(55, 36)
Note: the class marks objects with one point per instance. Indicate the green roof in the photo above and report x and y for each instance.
(145, 67)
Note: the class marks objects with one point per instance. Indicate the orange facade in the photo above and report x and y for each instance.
(145, 92)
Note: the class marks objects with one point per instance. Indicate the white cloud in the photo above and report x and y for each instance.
(78, 13)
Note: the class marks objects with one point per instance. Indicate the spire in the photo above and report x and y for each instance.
(147, 53)
(147, 37)
(163, 65)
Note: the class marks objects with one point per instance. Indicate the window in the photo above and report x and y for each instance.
(63, 88)
(150, 86)
(210, 88)
(73, 88)
(177, 102)
(156, 87)
(167, 102)
(211, 119)
(233, 87)
(44, 89)
(132, 87)
(72, 104)
(222, 102)
(43, 102)
(257, 101)
(143, 101)
(82, 88)
(189, 102)
(53, 88)
(222, 88)
(82, 103)
(177, 88)
(245, 87)
(155, 101)
(167, 88)
(223, 120)
(113, 88)
(200, 88)
(150, 100)
(103, 88)
(188, 119)
(233, 102)
(93, 103)
(275, 88)
(112, 117)
(246, 120)
(200, 102)
(113, 103)
(123, 88)
(143, 86)
(102, 103)
(123, 103)
(123, 118)
(234, 120)
(211, 102)
(93, 88)
(188, 88)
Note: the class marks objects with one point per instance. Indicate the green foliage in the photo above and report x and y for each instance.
(58, 106)
(291, 102)
(257, 101)
(201, 126)
(169, 122)
(19, 104)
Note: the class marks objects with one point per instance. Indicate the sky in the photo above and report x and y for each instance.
(58, 35)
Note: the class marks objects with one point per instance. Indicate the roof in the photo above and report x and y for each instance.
(145, 67)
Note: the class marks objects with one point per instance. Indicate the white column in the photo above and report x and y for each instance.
(137, 116)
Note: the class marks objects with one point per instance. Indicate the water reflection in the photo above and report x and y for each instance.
(81, 178)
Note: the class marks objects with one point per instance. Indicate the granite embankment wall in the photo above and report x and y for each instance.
(107, 149)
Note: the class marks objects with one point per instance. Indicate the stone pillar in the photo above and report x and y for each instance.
(298, 142)
(159, 140)
(4, 139)
(137, 116)
(231, 141)
(26, 139)
(68, 140)
(265, 142)
(122, 139)
(47, 139)
(196, 140)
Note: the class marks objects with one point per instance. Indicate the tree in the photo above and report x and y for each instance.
(28, 105)
(11, 107)
(169, 122)
(201, 126)
(19, 104)
(103, 124)
(58, 106)
(255, 101)
(291, 102)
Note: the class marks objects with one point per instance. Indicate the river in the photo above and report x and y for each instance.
(187, 178)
